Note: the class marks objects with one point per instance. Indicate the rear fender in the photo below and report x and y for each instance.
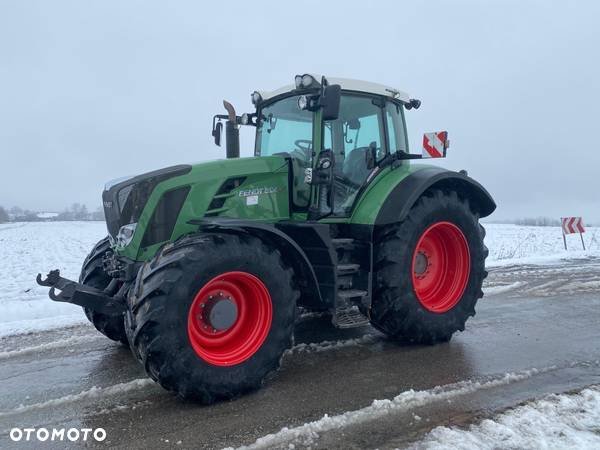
(405, 194)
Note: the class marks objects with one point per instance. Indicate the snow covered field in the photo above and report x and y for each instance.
(515, 244)
(29, 248)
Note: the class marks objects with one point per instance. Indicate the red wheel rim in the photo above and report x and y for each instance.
(236, 338)
(440, 267)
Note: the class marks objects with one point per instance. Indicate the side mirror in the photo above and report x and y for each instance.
(217, 132)
(371, 156)
(330, 101)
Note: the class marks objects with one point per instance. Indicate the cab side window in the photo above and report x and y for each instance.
(394, 117)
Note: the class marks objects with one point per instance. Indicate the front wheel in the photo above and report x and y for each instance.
(429, 270)
(93, 275)
(211, 315)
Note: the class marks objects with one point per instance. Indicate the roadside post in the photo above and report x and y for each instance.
(572, 225)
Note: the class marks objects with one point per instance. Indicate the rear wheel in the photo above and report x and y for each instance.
(92, 274)
(429, 270)
(211, 315)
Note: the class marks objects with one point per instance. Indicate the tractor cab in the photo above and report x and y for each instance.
(337, 134)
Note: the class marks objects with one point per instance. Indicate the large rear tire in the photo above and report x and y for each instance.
(92, 274)
(429, 270)
(211, 315)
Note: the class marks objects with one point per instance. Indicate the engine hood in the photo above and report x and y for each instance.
(162, 202)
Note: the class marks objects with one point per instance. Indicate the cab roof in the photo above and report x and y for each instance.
(347, 84)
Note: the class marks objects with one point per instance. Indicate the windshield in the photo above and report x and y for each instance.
(285, 128)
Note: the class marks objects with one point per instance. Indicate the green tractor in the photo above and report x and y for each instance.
(206, 265)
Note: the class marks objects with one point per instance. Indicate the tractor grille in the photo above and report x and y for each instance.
(164, 216)
(124, 201)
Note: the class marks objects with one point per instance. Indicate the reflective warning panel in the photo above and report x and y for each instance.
(435, 144)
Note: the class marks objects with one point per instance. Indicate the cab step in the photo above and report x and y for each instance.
(350, 318)
(347, 269)
(351, 293)
(343, 243)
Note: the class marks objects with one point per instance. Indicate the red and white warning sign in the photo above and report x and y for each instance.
(435, 144)
(572, 225)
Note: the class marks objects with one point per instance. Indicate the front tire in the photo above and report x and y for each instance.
(93, 275)
(429, 270)
(211, 315)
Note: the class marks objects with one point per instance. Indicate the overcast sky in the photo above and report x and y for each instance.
(95, 90)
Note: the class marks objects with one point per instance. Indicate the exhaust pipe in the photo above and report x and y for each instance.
(232, 132)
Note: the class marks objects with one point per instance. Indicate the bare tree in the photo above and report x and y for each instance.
(98, 214)
(3, 215)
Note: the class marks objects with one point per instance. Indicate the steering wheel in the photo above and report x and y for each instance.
(304, 147)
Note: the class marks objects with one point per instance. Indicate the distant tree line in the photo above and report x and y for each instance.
(538, 221)
(76, 211)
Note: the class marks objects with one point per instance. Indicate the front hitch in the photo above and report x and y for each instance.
(82, 295)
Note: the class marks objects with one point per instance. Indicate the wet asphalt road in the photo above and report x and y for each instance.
(533, 317)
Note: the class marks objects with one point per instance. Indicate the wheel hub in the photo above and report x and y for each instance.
(221, 313)
(421, 264)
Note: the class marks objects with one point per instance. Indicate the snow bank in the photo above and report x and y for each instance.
(502, 289)
(93, 392)
(306, 434)
(29, 248)
(72, 341)
(557, 421)
(323, 346)
(515, 244)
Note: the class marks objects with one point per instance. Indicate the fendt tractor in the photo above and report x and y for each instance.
(206, 266)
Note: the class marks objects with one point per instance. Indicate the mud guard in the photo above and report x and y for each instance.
(397, 205)
(313, 293)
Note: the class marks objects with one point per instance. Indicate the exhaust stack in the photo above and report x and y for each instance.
(232, 132)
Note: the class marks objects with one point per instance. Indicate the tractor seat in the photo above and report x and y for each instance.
(355, 167)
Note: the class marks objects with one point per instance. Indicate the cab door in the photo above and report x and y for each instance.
(357, 140)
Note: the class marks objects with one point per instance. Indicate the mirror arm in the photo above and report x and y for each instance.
(401, 155)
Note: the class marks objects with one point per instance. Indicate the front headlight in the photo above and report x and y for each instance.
(303, 102)
(307, 80)
(125, 234)
(256, 98)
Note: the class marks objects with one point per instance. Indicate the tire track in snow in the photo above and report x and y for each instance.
(75, 340)
(405, 401)
(92, 393)
(502, 288)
